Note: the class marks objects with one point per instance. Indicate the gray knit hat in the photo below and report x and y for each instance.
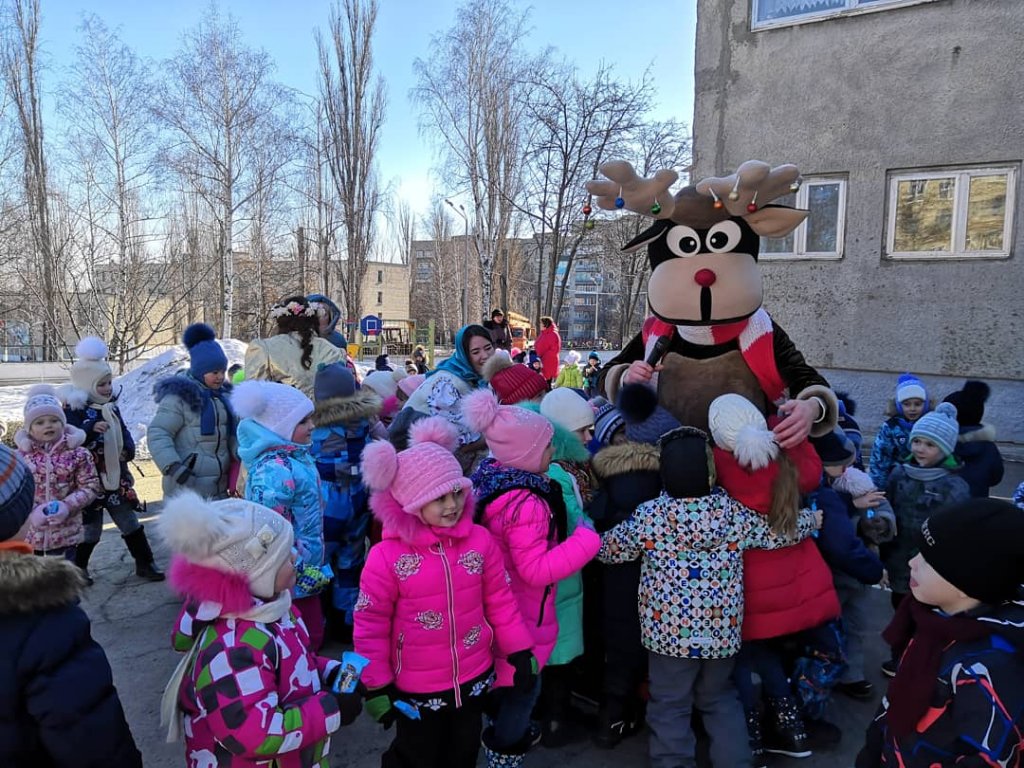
(940, 426)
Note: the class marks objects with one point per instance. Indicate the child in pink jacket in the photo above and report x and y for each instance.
(63, 470)
(434, 610)
(526, 514)
(248, 692)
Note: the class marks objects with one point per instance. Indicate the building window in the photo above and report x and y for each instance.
(380, 276)
(821, 235)
(380, 297)
(779, 13)
(424, 271)
(951, 213)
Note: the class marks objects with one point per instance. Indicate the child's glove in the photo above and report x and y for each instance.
(350, 705)
(876, 529)
(380, 706)
(525, 665)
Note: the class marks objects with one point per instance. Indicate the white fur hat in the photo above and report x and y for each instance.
(737, 426)
(567, 409)
(278, 407)
(572, 357)
(232, 535)
(91, 365)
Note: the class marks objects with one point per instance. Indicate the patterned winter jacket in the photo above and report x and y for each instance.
(915, 493)
(282, 476)
(255, 694)
(691, 577)
(521, 523)
(63, 471)
(86, 415)
(434, 608)
(59, 706)
(890, 447)
(974, 715)
(176, 435)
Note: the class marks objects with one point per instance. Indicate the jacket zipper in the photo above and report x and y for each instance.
(543, 601)
(450, 596)
(398, 659)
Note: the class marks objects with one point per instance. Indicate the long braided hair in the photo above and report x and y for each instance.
(305, 325)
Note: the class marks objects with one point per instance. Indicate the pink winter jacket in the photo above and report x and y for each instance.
(255, 695)
(434, 609)
(520, 522)
(63, 471)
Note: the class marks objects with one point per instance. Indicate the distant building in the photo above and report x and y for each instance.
(906, 118)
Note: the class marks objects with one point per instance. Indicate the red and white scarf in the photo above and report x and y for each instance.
(756, 343)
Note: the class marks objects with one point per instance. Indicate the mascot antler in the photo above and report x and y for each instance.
(648, 197)
(753, 185)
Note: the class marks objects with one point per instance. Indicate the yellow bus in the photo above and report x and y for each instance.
(521, 330)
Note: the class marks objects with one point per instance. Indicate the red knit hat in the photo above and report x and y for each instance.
(511, 382)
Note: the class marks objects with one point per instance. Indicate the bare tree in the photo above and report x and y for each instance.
(19, 61)
(217, 98)
(472, 95)
(354, 104)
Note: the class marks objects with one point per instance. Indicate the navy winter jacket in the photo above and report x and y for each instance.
(982, 462)
(59, 707)
(838, 541)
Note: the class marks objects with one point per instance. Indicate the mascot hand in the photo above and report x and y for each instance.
(639, 372)
(796, 426)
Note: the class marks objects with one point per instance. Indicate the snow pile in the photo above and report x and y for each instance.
(136, 387)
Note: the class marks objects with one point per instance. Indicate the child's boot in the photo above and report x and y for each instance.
(756, 742)
(138, 546)
(785, 734)
(82, 554)
(508, 757)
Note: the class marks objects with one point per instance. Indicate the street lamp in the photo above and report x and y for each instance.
(461, 210)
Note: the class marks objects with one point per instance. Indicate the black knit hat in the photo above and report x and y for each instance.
(17, 493)
(978, 547)
(970, 402)
(687, 465)
(835, 449)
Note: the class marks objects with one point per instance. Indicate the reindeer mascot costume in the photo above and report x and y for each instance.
(709, 336)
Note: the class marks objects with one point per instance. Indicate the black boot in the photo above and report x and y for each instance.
(754, 733)
(138, 546)
(82, 554)
(785, 733)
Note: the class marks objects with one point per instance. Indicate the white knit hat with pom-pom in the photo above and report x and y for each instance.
(278, 407)
(232, 535)
(737, 426)
(90, 366)
(425, 471)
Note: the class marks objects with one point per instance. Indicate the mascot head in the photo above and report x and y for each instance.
(704, 243)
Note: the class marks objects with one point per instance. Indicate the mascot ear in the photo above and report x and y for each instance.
(649, 235)
(775, 220)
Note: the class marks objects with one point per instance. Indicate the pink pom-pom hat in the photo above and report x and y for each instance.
(517, 437)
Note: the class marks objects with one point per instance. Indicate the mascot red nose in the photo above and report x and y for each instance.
(705, 286)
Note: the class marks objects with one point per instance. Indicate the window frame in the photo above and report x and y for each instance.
(958, 228)
(852, 8)
(800, 252)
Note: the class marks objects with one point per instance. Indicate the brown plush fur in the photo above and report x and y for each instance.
(987, 434)
(686, 386)
(364, 404)
(495, 364)
(626, 457)
(30, 583)
(785, 498)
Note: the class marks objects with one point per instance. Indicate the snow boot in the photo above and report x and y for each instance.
(508, 757)
(754, 733)
(82, 554)
(785, 734)
(138, 546)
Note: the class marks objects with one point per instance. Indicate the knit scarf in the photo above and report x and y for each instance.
(264, 613)
(208, 414)
(493, 479)
(756, 342)
(925, 634)
(113, 444)
(925, 474)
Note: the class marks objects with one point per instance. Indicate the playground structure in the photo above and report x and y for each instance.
(398, 338)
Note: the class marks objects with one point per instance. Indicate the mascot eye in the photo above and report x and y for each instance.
(682, 241)
(724, 236)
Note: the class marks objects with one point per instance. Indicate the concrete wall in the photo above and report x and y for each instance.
(934, 84)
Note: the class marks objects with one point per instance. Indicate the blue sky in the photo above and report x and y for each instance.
(588, 32)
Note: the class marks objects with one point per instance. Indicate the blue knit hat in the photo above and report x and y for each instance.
(908, 386)
(333, 380)
(607, 420)
(17, 493)
(204, 352)
(940, 426)
(594, 356)
(646, 420)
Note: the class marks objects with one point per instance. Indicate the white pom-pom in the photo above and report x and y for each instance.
(380, 464)
(480, 409)
(249, 399)
(191, 525)
(755, 448)
(91, 348)
(72, 396)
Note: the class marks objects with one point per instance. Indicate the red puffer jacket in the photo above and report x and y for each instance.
(785, 590)
(549, 347)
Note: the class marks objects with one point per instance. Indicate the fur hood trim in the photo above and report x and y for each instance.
(363, 404)
(73, 438)
(184, 386)
(626, 457)
(399, 524)
(986, 434)
(204, 584)
(29, 583)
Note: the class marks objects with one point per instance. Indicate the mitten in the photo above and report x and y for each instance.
(525, 665)
(380, 707)
(350, 705)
